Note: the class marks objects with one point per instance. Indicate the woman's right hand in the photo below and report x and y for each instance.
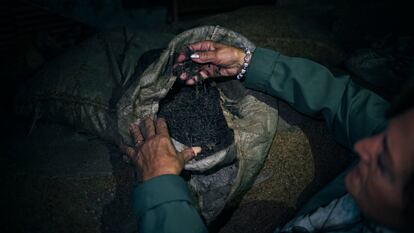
(216, 60)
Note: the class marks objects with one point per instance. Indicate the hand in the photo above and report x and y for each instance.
(156, 155)
(216, 59)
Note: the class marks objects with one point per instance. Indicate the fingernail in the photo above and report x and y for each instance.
(196, 149)
(195, 56)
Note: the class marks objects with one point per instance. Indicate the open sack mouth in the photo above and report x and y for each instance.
(195, 118)
(194, 115)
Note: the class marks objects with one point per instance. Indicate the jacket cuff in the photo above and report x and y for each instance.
(261, 68)
(159, 190)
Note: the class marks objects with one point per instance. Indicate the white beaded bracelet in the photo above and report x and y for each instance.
(246, 62)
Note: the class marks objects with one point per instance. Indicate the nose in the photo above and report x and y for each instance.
(369, 148)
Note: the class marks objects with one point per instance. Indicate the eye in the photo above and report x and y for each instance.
(384, 161)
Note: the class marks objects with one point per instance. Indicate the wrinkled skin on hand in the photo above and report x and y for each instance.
(215, 60)
(154, 154)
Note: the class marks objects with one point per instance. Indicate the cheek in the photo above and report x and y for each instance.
(352, 184)
(375, 197)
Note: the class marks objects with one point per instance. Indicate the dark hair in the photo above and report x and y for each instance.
(401, 104)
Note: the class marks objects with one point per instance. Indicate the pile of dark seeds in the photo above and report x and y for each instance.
(195, 118)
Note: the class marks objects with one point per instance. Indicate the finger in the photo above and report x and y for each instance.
(210, 70)
(149, 127)
(202, 45)
(183, 76)
(162, 128)
(129, 151)
(190, 82)
(204, 74)
(189, 153)
(181, 57)
(196, 150)
(204, 57)
(136, 134)
(196, 78)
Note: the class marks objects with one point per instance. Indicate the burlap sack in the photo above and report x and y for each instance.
(82, 86)
(236, 167)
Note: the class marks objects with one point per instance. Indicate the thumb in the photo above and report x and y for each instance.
(204, 56)
(188, 153)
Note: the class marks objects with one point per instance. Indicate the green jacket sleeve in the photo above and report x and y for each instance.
(164, 204)
(350, 111)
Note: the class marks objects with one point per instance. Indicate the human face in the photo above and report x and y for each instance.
(386, 162)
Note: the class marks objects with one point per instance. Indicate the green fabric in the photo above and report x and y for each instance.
(163, 204)
(331, 191)
(350, 111)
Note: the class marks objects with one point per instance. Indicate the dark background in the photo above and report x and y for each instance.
(33, 32)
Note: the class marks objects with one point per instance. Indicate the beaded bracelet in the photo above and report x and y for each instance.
(247, 59)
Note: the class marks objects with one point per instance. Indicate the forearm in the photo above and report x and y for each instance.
(351, 112)
(164, 204)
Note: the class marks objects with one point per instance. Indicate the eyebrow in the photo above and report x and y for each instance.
(387, 156)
